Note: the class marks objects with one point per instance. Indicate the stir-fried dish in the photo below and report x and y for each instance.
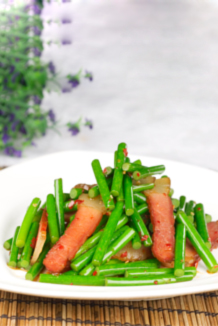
(125, 230)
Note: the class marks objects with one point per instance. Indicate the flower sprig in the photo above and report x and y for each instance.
(23, 79)
(75, 127)
(74, 80)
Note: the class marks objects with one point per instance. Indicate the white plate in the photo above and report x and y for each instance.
(35, 178)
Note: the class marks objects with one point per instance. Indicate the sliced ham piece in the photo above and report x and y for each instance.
(84, 186)
(87, 218)
(191, 256)
(213, 234)
(127, 253)
(161, 215)
(144, 181)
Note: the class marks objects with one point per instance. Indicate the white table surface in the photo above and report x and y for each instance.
(155, 82)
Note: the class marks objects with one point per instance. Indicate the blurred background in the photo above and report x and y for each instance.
(90, 74)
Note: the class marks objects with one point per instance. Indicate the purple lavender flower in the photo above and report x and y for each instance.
(11, 151)
(66, 42)
(65, 1)
(36, 52)
(14, 77)
(5, 138)
(66, 90)
(89, 75)
(23, 130)
(17, 153)
(11, 117)
(74, 130)
(37, 100)
(14, 125)
(37, 31)
(74, 80)
(27, 7)
(36, 9)
(5, 81)
(66, 21)
(89, 124)
(11, 69)
(51, 115)
(51, 67)
(1, 112)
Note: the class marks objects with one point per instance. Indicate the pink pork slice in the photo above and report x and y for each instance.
(191, 256)
(161, 214)
(82, 227)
